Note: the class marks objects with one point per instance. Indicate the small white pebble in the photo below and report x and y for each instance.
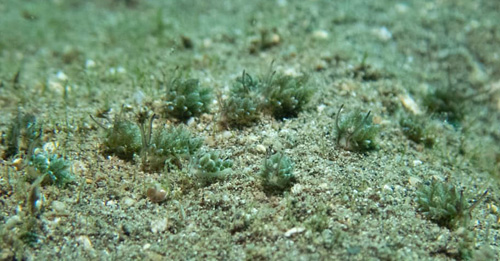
(291, 72)
(128, 202)
(158, 226)
(399, 189)
(55, 222)
(61, 76)
(275, 39)
(227, 135)
(387, 188)
(414, 181)
(139, 96)
(89, 63)
(58, 206)
(383, 33)
(207, 42)
(191, 122)
(85, 242)
(294, 230)
(296, 189)
(120, 70)
(56, 86)
(260, 149)
(401, 8)
(127, 107)
(417, 162)
(320, 34)
(320, 108)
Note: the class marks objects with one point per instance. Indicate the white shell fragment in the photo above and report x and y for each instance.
(85, 242)
(410, 104)
(158, 226)
(296, 189)
(58, 206)
(294, 230)
(128, 202)
(383, 33)
(320, 34)
(414, 181)
(89, 63)
(260, 149)
(61, 76)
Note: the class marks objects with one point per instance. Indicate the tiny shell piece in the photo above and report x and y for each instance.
(17, 163)
(294, 230)
(414, 181)
(156, 195)
(417, 162)
(85, 242)
(260, 149)
(160, 225)
(410, 104)
(494, 209)
(296, 189)
(320, 34)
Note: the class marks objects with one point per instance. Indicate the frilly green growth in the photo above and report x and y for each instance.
(416, 129)
(242, 107)
(285, 96)
(23, 133)
(356, 131)
(56, 168)
(210, 168)
(442, 203)
(276, 174)
(123, 139)
(186, 99)
(170, 145)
